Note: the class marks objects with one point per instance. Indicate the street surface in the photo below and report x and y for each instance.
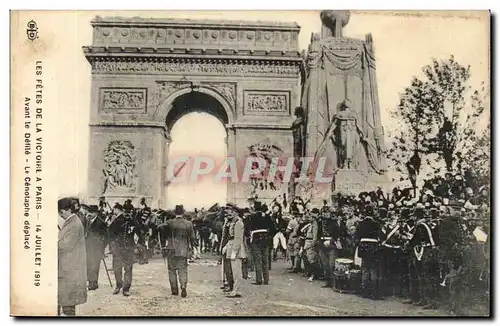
(286, 295)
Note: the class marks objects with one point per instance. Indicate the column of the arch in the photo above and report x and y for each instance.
(162, 202)
(231, 154)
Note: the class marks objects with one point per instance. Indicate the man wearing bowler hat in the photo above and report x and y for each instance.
(180, 237)
(122, 244)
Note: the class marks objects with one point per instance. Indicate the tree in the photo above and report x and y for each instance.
(439, 116)
(409, 145)
(454, 113)
(476, 158)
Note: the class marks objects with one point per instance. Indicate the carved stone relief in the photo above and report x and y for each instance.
(261, 185)
(165, 88)
(189, 67)
(119, 100)
(119, 167)
(226, 90)
(267, 103)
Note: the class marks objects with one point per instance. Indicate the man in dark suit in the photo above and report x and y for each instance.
(122, 244)
(369, 235)
(261, 229)
(180, 238)
(96, 241)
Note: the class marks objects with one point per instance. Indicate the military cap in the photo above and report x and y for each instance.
(65, 203)
(179, 209)
(315, 211)
(118, 206)
(419, 206)
(369, 210)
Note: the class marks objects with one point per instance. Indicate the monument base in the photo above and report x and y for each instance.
(352, 182)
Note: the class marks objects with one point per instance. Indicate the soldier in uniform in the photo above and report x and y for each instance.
(261, 228)
(311, 246)
(235, 248)
(395, 264)
(424, 244)
(180, 237)
(329, 244)
(122, 244)
(227, 271)
(142, 222)
(301, 260)
(96, 241)
(451, 254)
(128, 208)
(280, 225)
(292, 231)
(368, 236)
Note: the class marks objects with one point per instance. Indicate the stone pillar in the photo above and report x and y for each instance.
(231, 153)
(162, 202)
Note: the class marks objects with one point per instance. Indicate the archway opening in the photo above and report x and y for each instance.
(197, 128)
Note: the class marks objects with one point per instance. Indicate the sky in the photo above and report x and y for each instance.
(403, 45)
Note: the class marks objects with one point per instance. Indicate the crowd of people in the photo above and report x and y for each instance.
(429, 247)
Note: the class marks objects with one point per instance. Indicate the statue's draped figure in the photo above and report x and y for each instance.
(341, 99)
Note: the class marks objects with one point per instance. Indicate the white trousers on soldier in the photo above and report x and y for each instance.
(237, 275)
(279, 238)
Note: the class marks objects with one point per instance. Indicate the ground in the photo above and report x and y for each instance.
(286, 295)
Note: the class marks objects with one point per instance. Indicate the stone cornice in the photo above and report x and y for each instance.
(272, 126)
(126, 124)
(199, 53)
(208, 34)
(164, 22)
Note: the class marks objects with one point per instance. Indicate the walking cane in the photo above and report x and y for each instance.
(161, 250)
(107, 273)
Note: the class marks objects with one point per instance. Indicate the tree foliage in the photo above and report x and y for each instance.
(439, 116)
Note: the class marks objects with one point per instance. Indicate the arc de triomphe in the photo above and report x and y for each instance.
(147, 73)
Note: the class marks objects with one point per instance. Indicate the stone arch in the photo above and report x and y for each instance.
(166, 107)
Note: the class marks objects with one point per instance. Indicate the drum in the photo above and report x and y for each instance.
(343, 265)
(341, 274)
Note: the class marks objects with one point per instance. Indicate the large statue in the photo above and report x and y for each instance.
(351, 145)
(299, 132)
